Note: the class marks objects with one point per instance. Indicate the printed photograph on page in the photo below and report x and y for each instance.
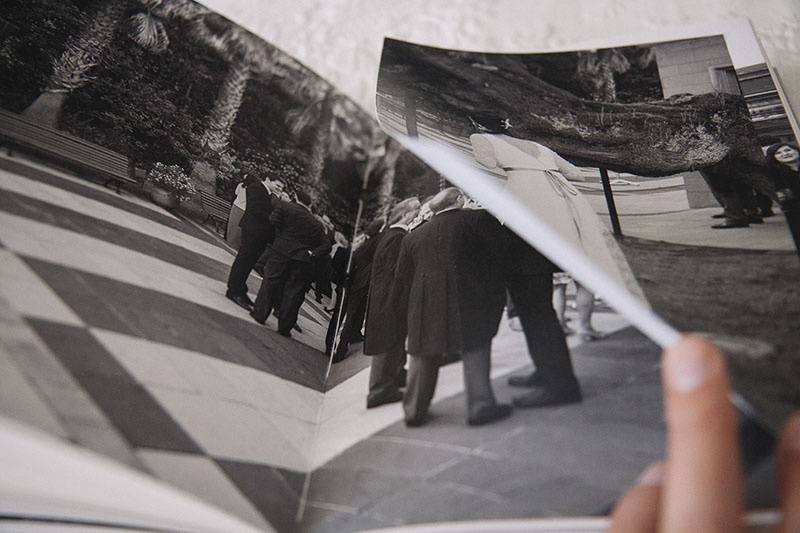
(178, 202)
(673, 168)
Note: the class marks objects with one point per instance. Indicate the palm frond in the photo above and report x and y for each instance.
(148, 32)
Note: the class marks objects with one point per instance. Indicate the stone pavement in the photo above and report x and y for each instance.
(117, 336)
(658, 210)
(561, 461)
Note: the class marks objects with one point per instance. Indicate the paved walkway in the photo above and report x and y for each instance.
(658, 210)
(118, 337)
(562, 461)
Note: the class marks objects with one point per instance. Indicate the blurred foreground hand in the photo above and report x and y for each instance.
(700, 486)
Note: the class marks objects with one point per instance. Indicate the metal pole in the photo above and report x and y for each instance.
(612, 208)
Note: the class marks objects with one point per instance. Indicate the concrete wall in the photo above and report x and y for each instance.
(683, 65)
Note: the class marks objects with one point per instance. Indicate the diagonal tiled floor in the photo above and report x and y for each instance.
(129, 347)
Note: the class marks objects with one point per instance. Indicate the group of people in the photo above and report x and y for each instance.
(749, 202)
(427, 284)
(439, 276)
(289, 240)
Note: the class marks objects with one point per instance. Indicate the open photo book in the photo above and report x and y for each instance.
(233, 300)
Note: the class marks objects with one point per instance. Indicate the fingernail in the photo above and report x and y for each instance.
(686, 367)
(792, 433)
(652, 475)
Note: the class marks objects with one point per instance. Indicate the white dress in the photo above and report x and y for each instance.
(541, 179)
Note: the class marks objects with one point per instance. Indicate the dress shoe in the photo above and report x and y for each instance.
(766, 213)
(755, 219)
(287, 334)
(297, 328)
(489, 413)
(546, 398)
(729, 225)
(241, 300)
(416, 422)
(588, 335)
(387, 396)
(534, 379)
(257, 319)
(341, 353)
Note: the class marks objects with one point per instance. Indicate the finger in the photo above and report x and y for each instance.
(789, 474)
(703, 484)
(637, 511)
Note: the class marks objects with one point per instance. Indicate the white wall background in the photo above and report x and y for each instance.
(341, 39)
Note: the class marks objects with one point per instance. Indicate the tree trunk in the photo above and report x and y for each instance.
(393, 151)
(648, 139)
(72, 69)
(319, 149)
(607, 91)
(226, 107)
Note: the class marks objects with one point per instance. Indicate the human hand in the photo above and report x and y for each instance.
(700, 485)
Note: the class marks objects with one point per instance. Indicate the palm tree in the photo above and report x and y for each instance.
(337, 131)
(318, 114)
(226, 106)
(246, 55)
(389, 155)
(83, 52)
(72, 69)
(596, 69)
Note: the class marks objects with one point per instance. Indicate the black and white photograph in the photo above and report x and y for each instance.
(235, 297)
(671, 170)
(179, 206)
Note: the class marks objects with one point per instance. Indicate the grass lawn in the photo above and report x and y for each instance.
(746, 293)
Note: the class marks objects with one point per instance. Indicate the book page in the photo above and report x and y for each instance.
(121, 334)
(162, 171)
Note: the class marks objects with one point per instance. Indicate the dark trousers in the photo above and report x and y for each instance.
(533, 301)
(254, 242)
(384, 371)
(285, 284)
(339, 309)
(423, 373)
(322, 277)
(731, 195)
(355, 309)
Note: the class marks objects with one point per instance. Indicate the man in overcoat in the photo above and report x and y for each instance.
(299, 240)
(384, 340)
(358, 279)
(257, 233)
(452, 297)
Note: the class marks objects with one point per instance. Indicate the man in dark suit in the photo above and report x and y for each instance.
(355, 301)
(322, 268)
(299, 240)
(528, 276)
(257, 233)
(452, 298)
(384, 341)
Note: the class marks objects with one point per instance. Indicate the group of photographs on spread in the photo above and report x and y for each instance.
(508, 246)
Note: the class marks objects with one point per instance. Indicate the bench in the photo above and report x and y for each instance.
(217, 210)
(67, 149)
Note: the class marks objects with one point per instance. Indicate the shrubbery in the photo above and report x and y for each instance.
(172, 178)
